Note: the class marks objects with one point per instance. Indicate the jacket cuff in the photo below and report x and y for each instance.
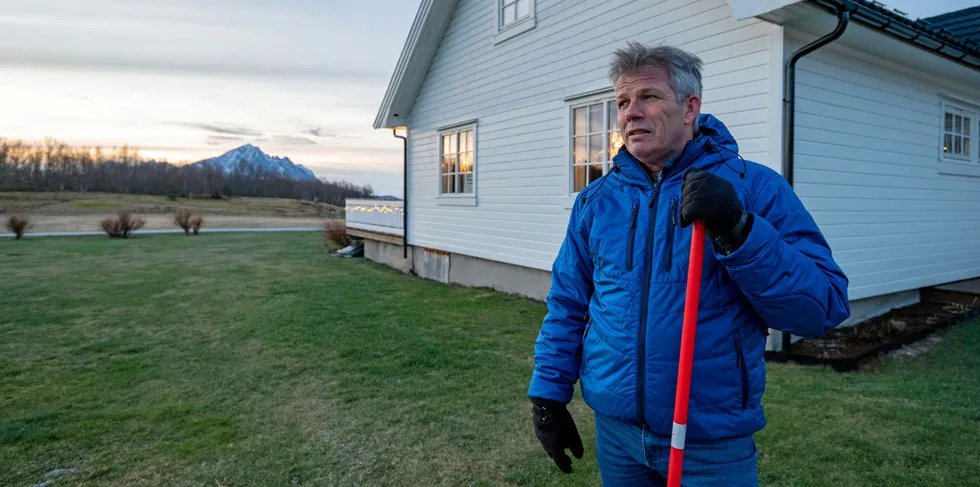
(756, 243)
(546, 389)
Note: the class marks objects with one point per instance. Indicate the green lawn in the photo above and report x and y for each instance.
(257, 359)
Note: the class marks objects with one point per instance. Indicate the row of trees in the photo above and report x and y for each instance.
(55, 166)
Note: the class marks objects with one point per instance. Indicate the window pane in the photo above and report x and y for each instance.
(452, 163)
(469, 141)
(445, 144)
(595, 148)
(948, 143)
(580, 121)
(445, 184)
(957, 148)
(580, 154)
(966, 147)
(958, 126)
(445, 165)
(966, 125)
(595, 172)
(595, 119)
(580, 182)
(615, 142)
(523, 8)
(468, 183)
(949, 122)
(466, 162)
(452, 143)
(612, 114)
(509, 13)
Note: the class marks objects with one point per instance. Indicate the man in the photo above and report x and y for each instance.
(615, 309)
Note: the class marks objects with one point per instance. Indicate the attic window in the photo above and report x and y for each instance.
(513, 17)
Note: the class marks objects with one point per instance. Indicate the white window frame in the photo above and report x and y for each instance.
(517, 27)
(604, 96)
(954, 164)
(456, 199)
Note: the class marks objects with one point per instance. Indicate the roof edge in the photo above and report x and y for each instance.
(917, 32)
(402, 64)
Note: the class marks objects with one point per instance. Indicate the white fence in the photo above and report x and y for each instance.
(383, 216)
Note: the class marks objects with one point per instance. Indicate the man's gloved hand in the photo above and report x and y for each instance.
(556, 430)
(711, 199)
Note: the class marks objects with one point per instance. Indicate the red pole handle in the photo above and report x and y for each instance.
(687, 356)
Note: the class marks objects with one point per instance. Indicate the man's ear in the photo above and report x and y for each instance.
(692, 107)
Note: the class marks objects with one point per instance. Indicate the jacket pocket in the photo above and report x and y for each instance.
(632, 235)
(743, 369)
(671, 223)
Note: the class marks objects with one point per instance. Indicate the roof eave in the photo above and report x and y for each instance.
(419, 49)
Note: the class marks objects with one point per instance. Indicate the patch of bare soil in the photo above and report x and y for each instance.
(894, 326)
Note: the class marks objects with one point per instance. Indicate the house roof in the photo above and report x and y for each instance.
(952, 35)
(429, 25)
(964, 24)
(920, 32)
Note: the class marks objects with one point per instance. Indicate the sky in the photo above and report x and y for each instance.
(184, 80)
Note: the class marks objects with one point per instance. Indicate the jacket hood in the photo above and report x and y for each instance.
(713, 144)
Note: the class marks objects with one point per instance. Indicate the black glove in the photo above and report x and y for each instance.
(555, 429)
(712, 200)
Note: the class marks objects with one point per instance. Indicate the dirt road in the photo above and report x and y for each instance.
(83, 223)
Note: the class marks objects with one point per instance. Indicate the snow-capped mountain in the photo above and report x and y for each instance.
(255, 158)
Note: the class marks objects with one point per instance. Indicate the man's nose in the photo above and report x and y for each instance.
(633, 112)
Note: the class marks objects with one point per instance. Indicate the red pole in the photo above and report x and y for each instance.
(687, 356)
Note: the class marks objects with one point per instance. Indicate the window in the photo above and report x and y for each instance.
(595, 141)
(513, 18)
(957, 133)
(958, 128)
(513, 11)
(457, 161)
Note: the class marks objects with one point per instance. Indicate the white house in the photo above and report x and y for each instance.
(504, 106)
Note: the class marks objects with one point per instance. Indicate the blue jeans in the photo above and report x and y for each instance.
(632, 455)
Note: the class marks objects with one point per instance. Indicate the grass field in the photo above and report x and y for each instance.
(257, 359)
(68, 203)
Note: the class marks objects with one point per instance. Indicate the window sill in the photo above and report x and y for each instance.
(959, 168)
(456, 200)
(514, 30)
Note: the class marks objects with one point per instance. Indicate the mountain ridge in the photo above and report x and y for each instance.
(254, 159)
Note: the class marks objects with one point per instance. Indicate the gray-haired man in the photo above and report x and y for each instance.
(618, 288)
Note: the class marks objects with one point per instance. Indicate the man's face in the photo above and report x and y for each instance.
(654, 126)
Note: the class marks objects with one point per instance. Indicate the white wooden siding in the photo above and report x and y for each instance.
(867, 147)
(516, 91)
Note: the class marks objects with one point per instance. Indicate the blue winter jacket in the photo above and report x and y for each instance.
(615, 309)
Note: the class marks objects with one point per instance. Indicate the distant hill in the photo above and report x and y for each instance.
(254, 159)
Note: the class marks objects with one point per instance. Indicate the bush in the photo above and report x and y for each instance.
(196, 223)
(122, 225)
(336, 231)
(183, 220)
(17, 224)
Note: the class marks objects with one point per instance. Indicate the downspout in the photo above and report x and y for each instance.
(394, 131)
(789, 100)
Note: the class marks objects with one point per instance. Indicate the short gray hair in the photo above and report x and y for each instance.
(683, 68)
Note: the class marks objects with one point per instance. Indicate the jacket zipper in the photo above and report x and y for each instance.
(669, 250)
(743, 369)
(629, 243)
(644, 304)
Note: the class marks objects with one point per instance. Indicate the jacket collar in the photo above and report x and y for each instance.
(701, 152)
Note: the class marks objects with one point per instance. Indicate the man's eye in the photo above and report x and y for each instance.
(622, 105)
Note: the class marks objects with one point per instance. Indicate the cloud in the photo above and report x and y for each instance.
(221, 128)
(289, 140)
(221, 139)
(319, 132)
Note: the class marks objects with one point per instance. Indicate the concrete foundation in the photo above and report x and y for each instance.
(511, 279)
(388, 254)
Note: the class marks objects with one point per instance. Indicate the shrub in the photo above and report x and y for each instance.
(336, 232)
(183, 219)
(196, 223)
(17, 224)
(122, 225)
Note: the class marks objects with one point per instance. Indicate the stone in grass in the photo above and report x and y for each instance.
(60, 471)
